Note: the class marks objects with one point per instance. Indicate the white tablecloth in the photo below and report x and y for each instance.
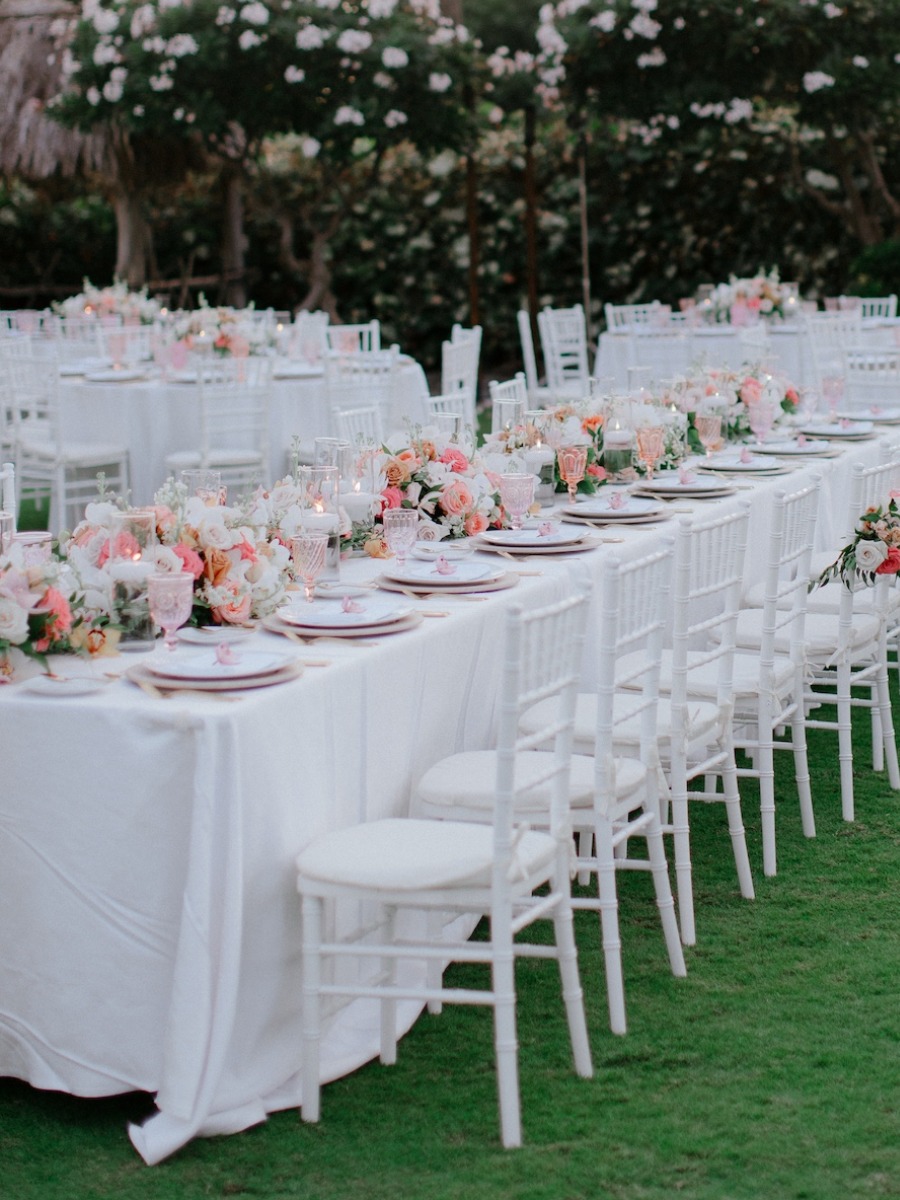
(149, 935)
(154, 419)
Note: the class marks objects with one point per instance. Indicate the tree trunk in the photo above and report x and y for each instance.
(132, 238)
(234, 243)
(531, 274)
(585, 244)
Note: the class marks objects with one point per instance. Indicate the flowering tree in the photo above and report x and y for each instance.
(821, 79)
(350, 76)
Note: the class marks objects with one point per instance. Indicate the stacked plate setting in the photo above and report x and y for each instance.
(621, 508)
(332, 618)
(205, 670)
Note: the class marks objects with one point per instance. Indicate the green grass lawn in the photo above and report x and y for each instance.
(771, 1073)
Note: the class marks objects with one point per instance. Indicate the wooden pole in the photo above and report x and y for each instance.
(531, 272)
(585, 255)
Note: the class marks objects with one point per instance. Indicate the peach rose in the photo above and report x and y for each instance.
(592, 423)
(56, 606)
(476, 523)
(751, 390)
(217, 567)
(456, 497)
(234, 611)
(395, 472)
(596, 471)
(455, 459)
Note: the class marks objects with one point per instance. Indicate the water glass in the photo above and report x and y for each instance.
(400, 529)
(206, 485)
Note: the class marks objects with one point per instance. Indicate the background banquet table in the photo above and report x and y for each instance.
(152, 939)
(675, 352)
(154, 419)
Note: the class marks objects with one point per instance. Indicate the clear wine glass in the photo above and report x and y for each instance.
(517, 496)
(572, 462)
(171, 598)
(206, 485)
(651, 442)
(309, 550)
(709, 429)
(400, 528)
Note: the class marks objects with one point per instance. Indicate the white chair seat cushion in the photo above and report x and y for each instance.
(184, 459)
(827, 599)
(703, 721)
(703, 678)
(401, 854)
(468, 782)
(73, 452)
(820, 633)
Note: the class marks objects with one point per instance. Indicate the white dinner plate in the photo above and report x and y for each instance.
(298, 370)
(328, 614)
(624, 507)
(670, 484)
(419, 573)
(49, 685)
(452, 551)
(113, 376)
(330, 589)
(68, 370)
(792, 447)
(203, 664)
(531, 538)
(838, 429)
(888, 415)
(213, 635)
(755, 464)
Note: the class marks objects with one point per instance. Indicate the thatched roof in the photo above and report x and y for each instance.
(31, 144)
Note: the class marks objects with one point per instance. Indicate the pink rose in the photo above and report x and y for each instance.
(476, 523)
(751, 390)
(596, 472)
(392, 497)
(234, 611)
(455, 459)
(59, 618)
(456, 497)
(791, 396)
(190, 559)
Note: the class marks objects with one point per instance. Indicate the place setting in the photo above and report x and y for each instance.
(842, 428)
(745, 460)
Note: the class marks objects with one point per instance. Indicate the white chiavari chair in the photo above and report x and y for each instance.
(564, 345)
(464, 867)
(363, 338)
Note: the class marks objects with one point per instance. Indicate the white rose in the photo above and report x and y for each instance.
(870, 555)
(13, 621)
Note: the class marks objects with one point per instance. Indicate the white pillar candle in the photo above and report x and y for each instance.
(358, 505)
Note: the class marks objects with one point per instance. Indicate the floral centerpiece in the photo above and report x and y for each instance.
(763, 294)
(240, 571)
(874, 549)
(135, 308)
(736, 392)
(226, 330)
(455, 494)
(560, 425)
(42, 613)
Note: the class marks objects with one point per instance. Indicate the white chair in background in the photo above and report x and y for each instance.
(612, 798)
(564, 345)
(8, 500)
(459, 368)
(875, 307)
(362, 380)
(624, 316)
(538, 396)
(357, 425)
(872, 379)
(363, 338)
(48, 466)
(462, 867)
(77, 339)
(305, 339)
(233, 395)
(509, 402)
(829, 336)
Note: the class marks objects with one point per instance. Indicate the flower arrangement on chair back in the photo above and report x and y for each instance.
(873, 550)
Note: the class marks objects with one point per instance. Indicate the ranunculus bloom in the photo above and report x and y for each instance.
(456, 497)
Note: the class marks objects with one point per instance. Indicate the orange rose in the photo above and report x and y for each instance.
(217, 567)
(395, 472)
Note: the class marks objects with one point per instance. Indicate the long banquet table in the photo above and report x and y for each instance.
(149, 938)
(154, 418)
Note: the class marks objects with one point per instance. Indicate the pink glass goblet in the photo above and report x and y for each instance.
(309, 551)
(761, 414)
(517, 496)
(709, 430)
(400, 530)
(651, 441)
(171, 598)
(572, 462)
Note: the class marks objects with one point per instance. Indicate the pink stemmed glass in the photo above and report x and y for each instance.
(400, 528)
(761, 415)
(651, 441)
(709, 430)
(517, 496)
(308, 551)
(832, 393)
(572, 462)
(171, 598)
